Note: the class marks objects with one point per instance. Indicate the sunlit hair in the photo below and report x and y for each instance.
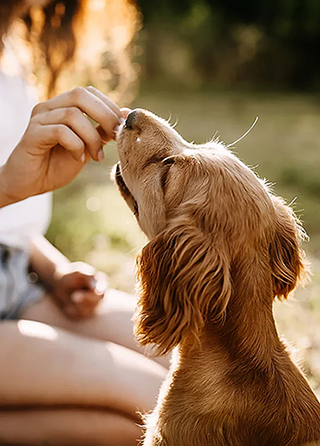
(88, 40)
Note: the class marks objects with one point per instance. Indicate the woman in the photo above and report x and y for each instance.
(71, 371)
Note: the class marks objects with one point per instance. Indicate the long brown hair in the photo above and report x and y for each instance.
(58, 34)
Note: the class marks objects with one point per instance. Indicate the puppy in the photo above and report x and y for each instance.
(221, 248)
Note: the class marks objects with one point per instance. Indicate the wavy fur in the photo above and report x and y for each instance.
(221, 248)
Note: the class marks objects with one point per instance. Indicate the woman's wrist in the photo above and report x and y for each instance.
(47, 262)
(5, 197)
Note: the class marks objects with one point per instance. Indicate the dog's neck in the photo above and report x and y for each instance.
(249, 333)
(248, 354)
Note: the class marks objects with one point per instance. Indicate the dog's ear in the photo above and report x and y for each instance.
(184, 281)
(286, 256)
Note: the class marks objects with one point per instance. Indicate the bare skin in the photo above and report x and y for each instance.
(58, 142)
(60, 368)
(77, 371)
(74, 359)
(71, 376)
(111, 322)
(92, 427)
(80, 301)
(76, 376)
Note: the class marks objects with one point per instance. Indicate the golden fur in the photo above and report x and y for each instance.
(221, 248)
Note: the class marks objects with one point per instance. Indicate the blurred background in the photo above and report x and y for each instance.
(211, 67)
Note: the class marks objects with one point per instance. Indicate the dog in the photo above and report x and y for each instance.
(222, 248)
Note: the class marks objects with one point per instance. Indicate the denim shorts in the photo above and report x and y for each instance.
(17, 290)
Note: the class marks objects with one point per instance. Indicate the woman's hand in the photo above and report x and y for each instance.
(78, 289)
(59, 140)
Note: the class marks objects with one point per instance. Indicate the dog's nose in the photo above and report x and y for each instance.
(131, 119)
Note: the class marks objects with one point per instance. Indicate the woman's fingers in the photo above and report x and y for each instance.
(125, 111)
(106, 138)
(103, 135)
(79, 124)
(85, 298)
(88, 103)
(83, 303)
(121, 113)
(106, 100)
(50, 135)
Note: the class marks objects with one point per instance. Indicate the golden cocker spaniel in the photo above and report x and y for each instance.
(221, 248)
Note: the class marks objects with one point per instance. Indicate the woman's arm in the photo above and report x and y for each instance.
(5, 198)
(47, 261)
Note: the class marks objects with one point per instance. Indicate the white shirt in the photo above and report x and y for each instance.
(19, 222)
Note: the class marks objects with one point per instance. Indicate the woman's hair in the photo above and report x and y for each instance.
(76, 30)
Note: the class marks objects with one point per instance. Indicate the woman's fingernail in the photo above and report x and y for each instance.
(100, 155)
(83, 157)
(76, 297)
(101, 286)
(125, 111)
(93, 283)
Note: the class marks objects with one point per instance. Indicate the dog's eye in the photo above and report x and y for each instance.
(167, 163)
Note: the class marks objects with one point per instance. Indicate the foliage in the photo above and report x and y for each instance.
(256, 42)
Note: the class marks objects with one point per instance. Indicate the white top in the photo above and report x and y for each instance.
(19, 222)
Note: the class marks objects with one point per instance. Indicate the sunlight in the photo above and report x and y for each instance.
(97, 5)
(37, 330)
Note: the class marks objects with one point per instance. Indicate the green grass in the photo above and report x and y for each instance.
(92, 223)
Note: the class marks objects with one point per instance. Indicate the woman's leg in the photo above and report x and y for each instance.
(112, 322)
(46, 366)
(67, 427)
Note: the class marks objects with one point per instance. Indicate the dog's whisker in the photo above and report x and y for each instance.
(176, 123)
(215, 138)
(245, 134)
(293, 201)
(171, 157)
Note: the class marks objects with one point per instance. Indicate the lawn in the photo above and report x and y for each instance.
(92, 223)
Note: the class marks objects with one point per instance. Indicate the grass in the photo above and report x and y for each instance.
(92, 223)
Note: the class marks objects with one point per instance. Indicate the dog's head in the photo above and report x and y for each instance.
(208, 217)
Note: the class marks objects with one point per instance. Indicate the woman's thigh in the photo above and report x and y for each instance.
(112, 321)
(67, 427)
(43, 365)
